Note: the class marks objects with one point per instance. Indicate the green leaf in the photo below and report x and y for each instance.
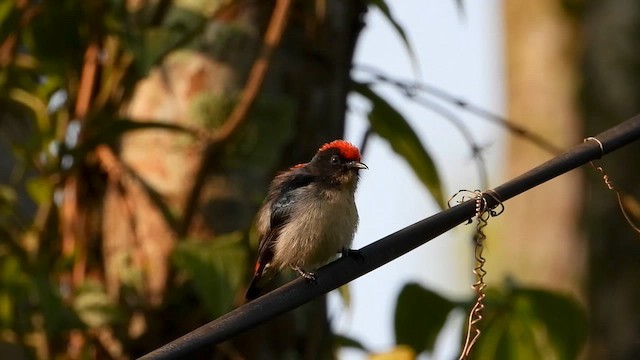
(56, 36)
(8, 195)
(562, 318)
(94, 307)
(522, 331)
(35, 104)
(9, 18)
(39, 189)
(24, 294)
(493, 342)
(400, 352)
(260, 139)
(506, 330)
(419, 316)
(530, 324)
(342, 341)
(58, 317)
(15, 286)
(152, 44)
(157, 42)
(382, 5)
(345, 295)
(392, 126)
(216, 269)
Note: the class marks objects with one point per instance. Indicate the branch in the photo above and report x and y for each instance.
(258, 71)
(410, 89)
(87, 81)
(476, 149)
(10, 42)
(343, 270)
(239, 113)
(161, 10)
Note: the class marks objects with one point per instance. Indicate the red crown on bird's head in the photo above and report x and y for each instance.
(347, 150)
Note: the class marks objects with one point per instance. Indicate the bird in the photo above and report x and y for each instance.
(309, 215)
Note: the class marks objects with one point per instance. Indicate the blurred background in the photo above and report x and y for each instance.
(137, 140)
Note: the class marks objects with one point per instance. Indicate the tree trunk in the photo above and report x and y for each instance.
(541, 244)
(302, 104)
(611, 95)
(548, 216)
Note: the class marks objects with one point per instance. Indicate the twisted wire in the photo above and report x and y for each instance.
(483, 213)
(609, 184)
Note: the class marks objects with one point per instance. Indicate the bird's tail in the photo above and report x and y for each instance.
(254, 289)
(257, 283)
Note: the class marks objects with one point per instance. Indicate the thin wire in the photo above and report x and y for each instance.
(417, 87)
(591, 138)
(609, 184)
(483, 213)
(383, 251)
(475, 315)
(476, 149)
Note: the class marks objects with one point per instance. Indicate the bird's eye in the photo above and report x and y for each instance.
(335, 160)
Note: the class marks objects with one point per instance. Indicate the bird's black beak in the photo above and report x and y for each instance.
(357, 165)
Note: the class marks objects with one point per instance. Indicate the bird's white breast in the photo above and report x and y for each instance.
(327, 220)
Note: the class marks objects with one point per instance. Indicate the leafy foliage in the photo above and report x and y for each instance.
(384, 8)
(391, 125)
(216, 269)
(94, 306)
(419, 316)
(52, 279)
(519, 323)
(532, 324)
(398, 353)
(346, 342)
(50, 287)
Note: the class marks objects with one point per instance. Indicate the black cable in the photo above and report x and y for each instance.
(343, 270)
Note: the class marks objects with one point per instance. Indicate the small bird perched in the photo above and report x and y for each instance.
(309, 214)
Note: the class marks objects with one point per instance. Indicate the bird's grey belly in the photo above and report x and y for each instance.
(325, 230)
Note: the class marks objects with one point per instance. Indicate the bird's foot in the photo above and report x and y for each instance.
(309, 276)
(354, 254)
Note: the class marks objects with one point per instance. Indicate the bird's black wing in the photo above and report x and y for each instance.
(284, 198)
(281, 210)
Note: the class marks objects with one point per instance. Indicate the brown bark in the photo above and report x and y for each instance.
(542, 245)
(611, 94)
(609, 89)
(301, 105)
